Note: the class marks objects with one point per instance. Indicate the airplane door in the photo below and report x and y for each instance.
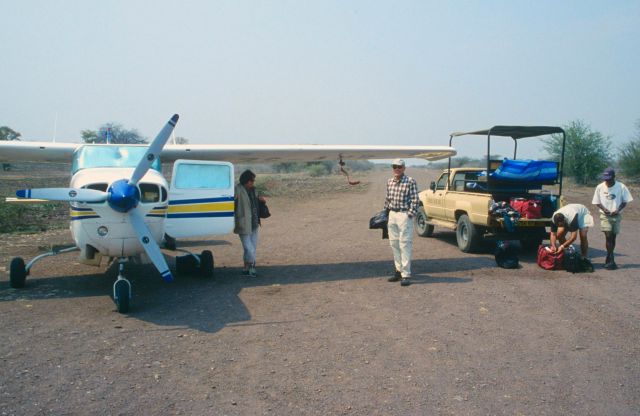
(200, 199)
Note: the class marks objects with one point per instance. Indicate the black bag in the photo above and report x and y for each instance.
(506, 254)
(379, 221)
(263, 210)
(575, 263)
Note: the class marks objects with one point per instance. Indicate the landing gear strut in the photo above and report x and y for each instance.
(18, 270)
(122, 289)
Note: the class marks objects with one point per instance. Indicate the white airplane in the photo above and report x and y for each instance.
(122, 206)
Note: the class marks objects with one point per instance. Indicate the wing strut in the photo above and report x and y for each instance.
(342, 164)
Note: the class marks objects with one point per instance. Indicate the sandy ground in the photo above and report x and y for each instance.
(321, 331)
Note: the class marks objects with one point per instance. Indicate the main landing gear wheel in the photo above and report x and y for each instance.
(206, 263)
(122, 295)
(17, 273)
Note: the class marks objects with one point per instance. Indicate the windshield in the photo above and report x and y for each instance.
(109, 156)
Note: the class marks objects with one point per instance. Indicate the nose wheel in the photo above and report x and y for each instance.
(122, 290)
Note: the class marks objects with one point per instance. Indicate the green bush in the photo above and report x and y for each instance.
(10, 216)
(318, 169)
(39, 217)
(587, 152)
(629, 159)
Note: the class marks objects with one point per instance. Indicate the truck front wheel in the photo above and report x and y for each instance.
(467, 235)
(423, 229)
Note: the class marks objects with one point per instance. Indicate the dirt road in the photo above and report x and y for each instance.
(321, 331)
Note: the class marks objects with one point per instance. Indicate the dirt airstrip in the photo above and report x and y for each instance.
(320, 331)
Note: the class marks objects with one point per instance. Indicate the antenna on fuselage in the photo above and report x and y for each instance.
(55, 127)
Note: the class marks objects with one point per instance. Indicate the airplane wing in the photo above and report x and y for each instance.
(22, 151)
(15, 151)
(286, 153)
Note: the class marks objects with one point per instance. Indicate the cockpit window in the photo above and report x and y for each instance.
(101, 186)
(164, 193)
(149, 192)
(110, 156)
(97, 186)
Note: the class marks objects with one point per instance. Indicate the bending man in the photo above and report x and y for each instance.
(571, 219)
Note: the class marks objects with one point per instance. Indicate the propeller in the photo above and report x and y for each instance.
(149, 244)
(153, 151)
(64, 194)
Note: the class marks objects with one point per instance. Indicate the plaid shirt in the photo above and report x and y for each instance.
(402, 195)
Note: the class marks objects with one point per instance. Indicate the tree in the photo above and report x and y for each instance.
(587, 152)
(116, 132)
(181, 140)
(7, 133)
(629, 159)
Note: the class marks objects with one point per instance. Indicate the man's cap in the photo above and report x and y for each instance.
(608, 174)
(398, 162)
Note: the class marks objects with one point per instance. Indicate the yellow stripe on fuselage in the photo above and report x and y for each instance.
(81, 213)
(208, 207)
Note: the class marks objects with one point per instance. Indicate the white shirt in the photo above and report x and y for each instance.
(611, 198)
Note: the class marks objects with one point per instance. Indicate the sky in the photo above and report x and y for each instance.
(319, 72)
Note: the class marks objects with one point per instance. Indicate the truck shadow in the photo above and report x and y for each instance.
(528, 255)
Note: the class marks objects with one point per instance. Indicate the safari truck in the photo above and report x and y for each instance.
(507, 199)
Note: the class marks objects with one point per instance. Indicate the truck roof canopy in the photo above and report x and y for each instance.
(515, 132)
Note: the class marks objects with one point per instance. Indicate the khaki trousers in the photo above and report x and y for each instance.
(401, 240)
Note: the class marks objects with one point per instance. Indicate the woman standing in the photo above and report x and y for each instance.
(247, 221)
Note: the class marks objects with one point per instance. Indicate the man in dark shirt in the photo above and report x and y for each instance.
(402, 203)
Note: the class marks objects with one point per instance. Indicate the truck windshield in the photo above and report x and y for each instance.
(109, 156)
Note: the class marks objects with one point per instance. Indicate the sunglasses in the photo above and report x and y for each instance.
(397, 166)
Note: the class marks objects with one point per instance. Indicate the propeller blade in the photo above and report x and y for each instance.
(149, 244)
(153, 151)
(64, 194)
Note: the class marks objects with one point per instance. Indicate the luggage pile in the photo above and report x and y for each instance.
(570, 260)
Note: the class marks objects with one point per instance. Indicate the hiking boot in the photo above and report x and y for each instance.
(405, 281)
(396, 277)
(252, 271)
(245, 272)
(611, 266)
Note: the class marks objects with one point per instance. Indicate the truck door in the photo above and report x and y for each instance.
(435, 199)
(450, 202)
(200, 199)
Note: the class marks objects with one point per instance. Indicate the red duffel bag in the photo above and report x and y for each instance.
(548, 259)
(528, 208)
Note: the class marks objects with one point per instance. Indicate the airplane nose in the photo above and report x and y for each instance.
(123, 196)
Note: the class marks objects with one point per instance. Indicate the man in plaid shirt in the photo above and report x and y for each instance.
(402, 204)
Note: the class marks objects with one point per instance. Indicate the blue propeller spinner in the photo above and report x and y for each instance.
(123, 196)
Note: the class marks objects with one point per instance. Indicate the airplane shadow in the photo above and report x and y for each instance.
(210, 304)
